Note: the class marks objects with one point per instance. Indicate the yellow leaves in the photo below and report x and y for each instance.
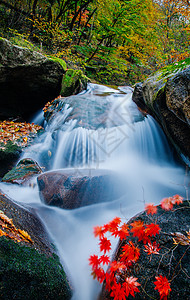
(10, 231)
(181, 239)
(16, 132)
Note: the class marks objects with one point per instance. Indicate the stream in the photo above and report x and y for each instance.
(101, 128)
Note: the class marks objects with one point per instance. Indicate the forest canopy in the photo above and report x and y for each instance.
(114, 41)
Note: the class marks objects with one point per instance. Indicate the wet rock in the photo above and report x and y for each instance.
(29, 270)
(72, 188)
(166, 95)
(89, 111)
(138, 96)
(27, 80)
(172, 262)
(74, 82)
(23, 172)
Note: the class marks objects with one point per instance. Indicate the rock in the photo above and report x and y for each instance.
(72, 188)
(27, 80)
(166, 96)
(92, 118)
(29, 270)
(9, 155)
(74, 82)
(172, 262)
(23, 172)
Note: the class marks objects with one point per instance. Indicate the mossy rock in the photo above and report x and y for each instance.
(9, 154)
(23, 171)
(60, 61)
(27, 274)
(73, 82)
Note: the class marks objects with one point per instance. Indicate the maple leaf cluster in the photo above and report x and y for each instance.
(118, 278)
(10, 231)
(19, 133)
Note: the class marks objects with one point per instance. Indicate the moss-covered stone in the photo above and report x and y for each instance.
(23, 171)
(60, 61)
(27, 274)
(28, 80)
(73, 82)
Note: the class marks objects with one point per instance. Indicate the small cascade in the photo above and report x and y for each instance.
(110, 133)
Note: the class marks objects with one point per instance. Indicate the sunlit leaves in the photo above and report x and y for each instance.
(10, 231)
(18, 133)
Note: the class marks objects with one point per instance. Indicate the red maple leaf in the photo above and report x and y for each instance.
(99, 231)
(176, 199)
(130, 253)
(118, 292)
(151, 209)
(131, 286)
(138, 229)
(152, 248)
(116, 266)
(94, 261)
(105, 245)
(123, 232)
(99, 274)
(167, 204)
(163, 286)
(152, 229)
(114, 224)
(104, 259)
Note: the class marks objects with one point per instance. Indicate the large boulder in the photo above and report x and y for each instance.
(166, 95)
(89, 109)
(30, 268)
(70, 188)
(27, 80)
(172, 260)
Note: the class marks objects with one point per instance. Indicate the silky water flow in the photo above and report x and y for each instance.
(126, 142)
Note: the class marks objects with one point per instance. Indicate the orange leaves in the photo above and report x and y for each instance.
(163, 286)
(10, 231)
(18, 133)
(151, 209)
(181, 239)
(168, 203)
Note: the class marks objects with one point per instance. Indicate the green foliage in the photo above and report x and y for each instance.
(116, 41)
(26, 274)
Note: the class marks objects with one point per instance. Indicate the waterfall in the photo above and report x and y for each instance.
(124, 141)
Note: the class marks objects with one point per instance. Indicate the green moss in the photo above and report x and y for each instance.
(9, 151)
(26, 274)
(26, 167)
(60, 61)
(73, 82)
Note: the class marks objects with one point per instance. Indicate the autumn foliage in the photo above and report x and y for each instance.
(19, 133)
(8, 229)
(118, 279)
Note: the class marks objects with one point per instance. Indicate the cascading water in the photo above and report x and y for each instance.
(124, 141)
